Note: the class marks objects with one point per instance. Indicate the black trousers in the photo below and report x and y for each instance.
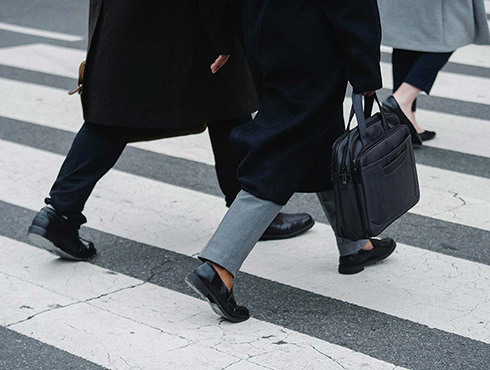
(97, 148)
(417, 68)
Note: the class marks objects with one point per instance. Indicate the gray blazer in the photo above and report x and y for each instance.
(433, 25)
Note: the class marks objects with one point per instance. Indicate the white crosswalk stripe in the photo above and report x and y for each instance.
(451, 85)
(44, 58)
(40, 33)
(53, 108)
(471, 55)
(110, 319)
(64, 62)
(436, 290)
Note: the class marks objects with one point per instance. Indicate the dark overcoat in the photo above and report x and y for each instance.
(148, 64)
(302, 53)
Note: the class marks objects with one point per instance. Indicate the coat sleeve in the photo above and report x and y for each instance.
(95, 8)
(358, 29)
(217, 18)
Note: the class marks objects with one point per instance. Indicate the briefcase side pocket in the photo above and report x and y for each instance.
(389, 187)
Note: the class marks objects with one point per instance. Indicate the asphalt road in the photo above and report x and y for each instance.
(427, 307)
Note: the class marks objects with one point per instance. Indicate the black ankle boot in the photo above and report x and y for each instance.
(52, 232)
(427, 135)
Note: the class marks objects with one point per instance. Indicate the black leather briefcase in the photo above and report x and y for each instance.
(373, 171)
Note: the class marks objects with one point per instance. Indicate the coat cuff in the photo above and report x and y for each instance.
(364, 73)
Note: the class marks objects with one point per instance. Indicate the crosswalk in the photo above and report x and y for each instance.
(54, 108)
(427, 307)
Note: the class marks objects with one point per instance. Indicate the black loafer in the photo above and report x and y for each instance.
(390, 105)
(206, 282)
(287, 226)
(52, 232)
(354, 263)
(427, 135)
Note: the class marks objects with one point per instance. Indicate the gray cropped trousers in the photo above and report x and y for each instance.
(246, 221)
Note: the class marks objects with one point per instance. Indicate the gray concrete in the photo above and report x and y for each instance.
(424, 232)
(18, 352)
(401, 342)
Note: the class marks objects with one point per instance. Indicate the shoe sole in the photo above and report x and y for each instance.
(36, 238)
(196, 285)
(351, 270)
(288, 236)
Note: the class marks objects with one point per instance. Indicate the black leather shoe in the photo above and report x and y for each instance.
(207, 283)
(390, 105)
(354, 263)
(287, 226)
(427, 135)
(52, 232)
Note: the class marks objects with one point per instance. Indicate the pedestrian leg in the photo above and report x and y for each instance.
(94, 152)
(239, 231)
(354, 255)
(284, 225)
(226, 162)
(346, 247)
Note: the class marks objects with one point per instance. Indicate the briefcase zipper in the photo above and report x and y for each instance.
(334, 179)
(344, 175)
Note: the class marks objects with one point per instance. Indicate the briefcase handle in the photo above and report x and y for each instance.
(362, 114)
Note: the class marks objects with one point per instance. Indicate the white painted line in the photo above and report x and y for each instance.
(18, 304)
(456, 133)
(451, 85)
(54, 108)
(454, 197)
(476, 55)
(39, 33)
(64, 62)
(44, 58)
(472, 55)
(122, 329)
(440, 291)
(50, 107)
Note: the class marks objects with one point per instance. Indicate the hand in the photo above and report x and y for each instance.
(369, 93)
(219, 63)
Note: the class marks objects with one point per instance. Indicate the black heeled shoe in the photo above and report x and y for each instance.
(427, 135)
(206, 282)
(390, 105)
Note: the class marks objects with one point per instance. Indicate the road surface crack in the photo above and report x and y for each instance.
(58, 307)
